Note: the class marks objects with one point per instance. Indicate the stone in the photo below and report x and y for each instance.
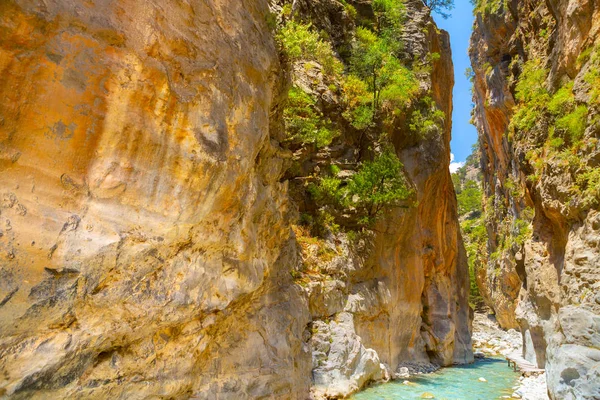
(344, 365)
(402, 372)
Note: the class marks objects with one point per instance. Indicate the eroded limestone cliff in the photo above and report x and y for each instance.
(150, 202)
(536, 93)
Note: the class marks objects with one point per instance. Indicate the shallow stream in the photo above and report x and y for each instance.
(456, 383)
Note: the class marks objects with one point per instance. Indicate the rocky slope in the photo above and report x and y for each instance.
(536, 79)
(150, 243)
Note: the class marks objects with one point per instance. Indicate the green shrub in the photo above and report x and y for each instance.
(303, 122)
(592, 77)
(301, 43)
(522, 231)
(286, 10)
(399, 89)
(359, 103)
(530, 87)
(556, 143)
(563, 100)
(427, 120)
(557, 115)
(373, 62)
(349, 8)
(390, 16)
(589, 182)
(378, 183)
(326, 190)
(574, 123)
(532, 96)
(469, 199)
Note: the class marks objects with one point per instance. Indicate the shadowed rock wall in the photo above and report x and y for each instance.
(547, 280)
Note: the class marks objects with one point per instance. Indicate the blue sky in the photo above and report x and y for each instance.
(464, 135)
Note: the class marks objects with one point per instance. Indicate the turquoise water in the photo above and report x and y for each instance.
(456, 383)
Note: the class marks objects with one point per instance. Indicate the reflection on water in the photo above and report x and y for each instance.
(456, 383)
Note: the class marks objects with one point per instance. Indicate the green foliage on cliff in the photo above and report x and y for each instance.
(488, 6)
(427, 119)
(592, 77)
(472, 221)
(349, 8)
(387, 85)
(563, 120)
(390, 84)
(304, 122)
(300, 43)
(377, 184)
(377, 89)
(440, 6)
(589, 186)
(469, 198)
(537, 106)
(389, 17)
(531, 95)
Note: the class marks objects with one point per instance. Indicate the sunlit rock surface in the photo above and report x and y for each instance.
(145, 241)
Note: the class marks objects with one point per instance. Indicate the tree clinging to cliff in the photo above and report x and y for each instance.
(440, 6)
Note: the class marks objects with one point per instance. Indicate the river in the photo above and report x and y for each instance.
(455, 383)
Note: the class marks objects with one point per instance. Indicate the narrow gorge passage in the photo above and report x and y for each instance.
(216, 199)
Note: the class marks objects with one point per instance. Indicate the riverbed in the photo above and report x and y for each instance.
(486, 379)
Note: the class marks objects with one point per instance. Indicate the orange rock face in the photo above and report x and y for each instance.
(145, 241)
(140, 189)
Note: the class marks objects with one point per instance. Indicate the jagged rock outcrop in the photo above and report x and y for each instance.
(146, 242)
(536, 110)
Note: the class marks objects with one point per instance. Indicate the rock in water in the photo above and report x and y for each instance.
(403, 372)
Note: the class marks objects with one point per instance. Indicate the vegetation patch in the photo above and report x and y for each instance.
(304, 122)
(563, 121)
(377, 184)
(469, 197)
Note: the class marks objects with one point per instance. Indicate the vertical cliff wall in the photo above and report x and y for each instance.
(148, 201)
(143, 214)
(536, 79)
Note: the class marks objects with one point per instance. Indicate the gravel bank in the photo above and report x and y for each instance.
(490, 340)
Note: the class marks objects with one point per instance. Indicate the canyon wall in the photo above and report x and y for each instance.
(536, 79)
(149, 239)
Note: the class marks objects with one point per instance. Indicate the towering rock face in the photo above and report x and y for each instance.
(146, 242)
(142, 212)
(536, 79)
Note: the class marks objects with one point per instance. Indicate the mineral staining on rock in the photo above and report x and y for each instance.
(536, 70)
(143, 213)
(151, 236)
